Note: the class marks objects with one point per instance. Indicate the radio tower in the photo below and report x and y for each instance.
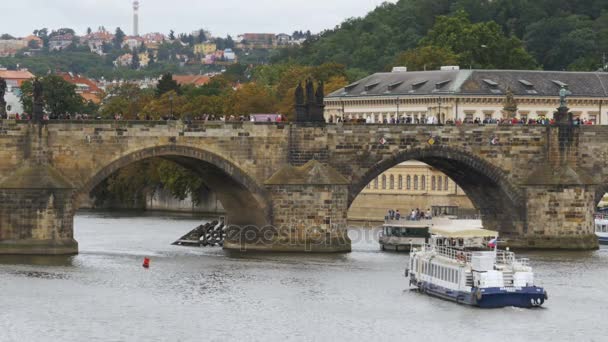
(136, 18)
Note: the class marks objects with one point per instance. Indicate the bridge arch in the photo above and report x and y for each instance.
(245, 201)
(501, 203)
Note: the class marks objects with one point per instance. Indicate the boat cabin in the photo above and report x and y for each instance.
(462, 237)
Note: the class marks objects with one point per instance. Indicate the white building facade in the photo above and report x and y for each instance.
(465, 95)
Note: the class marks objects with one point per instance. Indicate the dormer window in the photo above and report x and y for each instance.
(351, 86)
(493, 86)
(441, 84)
(560, 83)
(528, 86)
(371, 86)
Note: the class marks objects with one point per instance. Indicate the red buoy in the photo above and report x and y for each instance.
(146, 263)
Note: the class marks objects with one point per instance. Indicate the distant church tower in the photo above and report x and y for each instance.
(136, 18)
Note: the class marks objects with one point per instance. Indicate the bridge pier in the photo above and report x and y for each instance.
(36, 213)
(310, 205)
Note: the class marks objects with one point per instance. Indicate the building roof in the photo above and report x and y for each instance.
(77, 79)
(196, 80)
(16, 74)
(477, 82)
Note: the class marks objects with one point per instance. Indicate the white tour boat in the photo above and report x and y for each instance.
(462, 264)
(403, 234)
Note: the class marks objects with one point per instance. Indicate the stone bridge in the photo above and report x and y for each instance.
(288, 187)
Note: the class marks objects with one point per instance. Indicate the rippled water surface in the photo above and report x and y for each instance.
(192, 294)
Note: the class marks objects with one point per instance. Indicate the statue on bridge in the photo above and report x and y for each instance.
(311, 108)
(510, 105)
(320, 94)
(3, 87)
(299, 94)
(563, 97)
(38, 102)
(310, 91)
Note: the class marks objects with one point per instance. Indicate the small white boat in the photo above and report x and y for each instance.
(401, 235)
(459, 266)
(601, 229)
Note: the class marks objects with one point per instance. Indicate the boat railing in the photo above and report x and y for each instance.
(452, 253)
(502, 257)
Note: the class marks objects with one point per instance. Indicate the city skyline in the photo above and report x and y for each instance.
(184, 15)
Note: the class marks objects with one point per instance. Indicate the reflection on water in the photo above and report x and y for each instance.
(193, 294)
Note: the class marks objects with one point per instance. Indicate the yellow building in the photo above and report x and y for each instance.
(205, 48)
(144, 59)
(410, 185)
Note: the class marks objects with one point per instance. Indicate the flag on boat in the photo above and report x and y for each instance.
(492, 243)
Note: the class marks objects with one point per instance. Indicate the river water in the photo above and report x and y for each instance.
(192, 294)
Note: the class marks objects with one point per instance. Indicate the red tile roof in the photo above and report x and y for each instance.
(17, 75)
(196, 80)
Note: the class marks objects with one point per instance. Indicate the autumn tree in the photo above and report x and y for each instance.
(253, 98)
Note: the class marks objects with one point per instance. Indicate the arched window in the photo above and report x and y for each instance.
(447, 187)
(415, 182)
(409, 182)
(423, 183)
(392, 182)
(400, 185)
(383, 182)
(369, 185)
(440, 183)
(376, 183)
(433, 185)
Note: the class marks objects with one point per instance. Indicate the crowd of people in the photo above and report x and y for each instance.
(431, 120)
(414, 215)
(121, 117)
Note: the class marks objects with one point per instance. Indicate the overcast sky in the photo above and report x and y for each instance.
(221, 17)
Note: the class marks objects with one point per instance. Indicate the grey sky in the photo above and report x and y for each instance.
(221, 17)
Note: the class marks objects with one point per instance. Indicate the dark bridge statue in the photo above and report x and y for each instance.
(289, 186)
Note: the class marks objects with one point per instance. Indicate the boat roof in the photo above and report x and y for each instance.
(408, 224)
(462, 232)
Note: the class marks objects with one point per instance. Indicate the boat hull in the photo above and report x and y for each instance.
(602, 238)
(525, 297)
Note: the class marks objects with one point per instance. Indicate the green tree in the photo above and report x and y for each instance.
(167, 84)
(60, 97)
(481, 45)
(119, 37)
(135, 63)
(127, 99)
(428, 57)
(172, 35)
